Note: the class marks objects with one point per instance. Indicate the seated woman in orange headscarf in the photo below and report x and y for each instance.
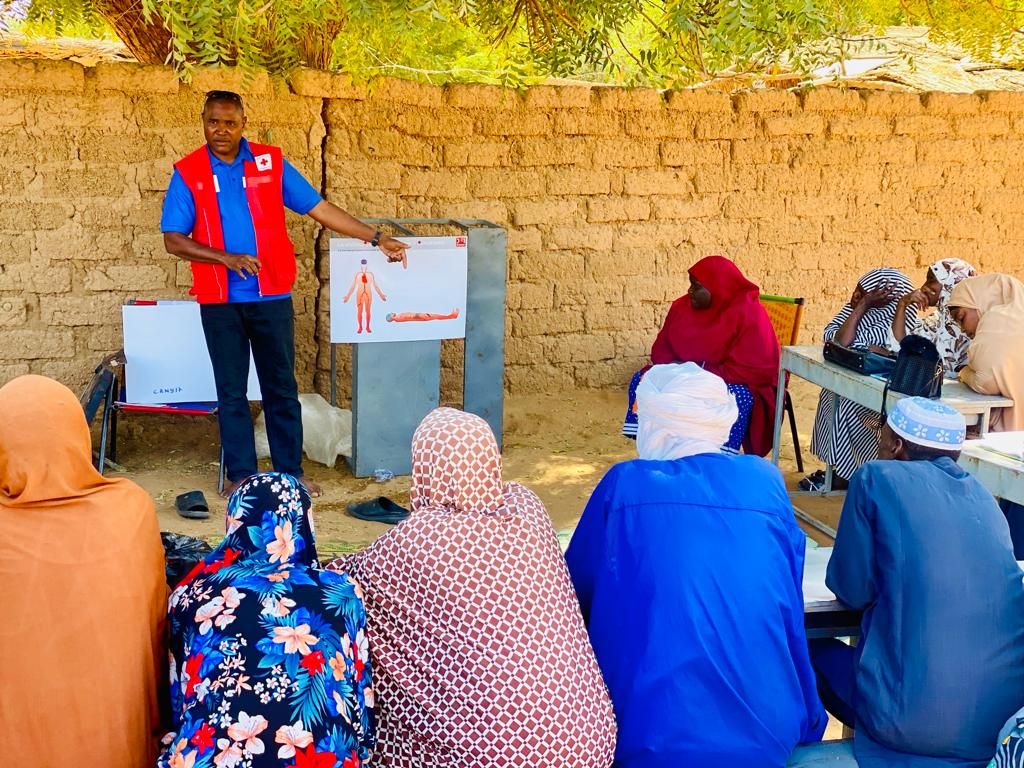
(83, 594)
(720, 325)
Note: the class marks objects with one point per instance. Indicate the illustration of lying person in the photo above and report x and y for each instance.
(419, 317)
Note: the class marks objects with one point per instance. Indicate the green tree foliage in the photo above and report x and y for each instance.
(991, 30)
(276, 35)
(430, 44)
(654, 42)
(71, 19)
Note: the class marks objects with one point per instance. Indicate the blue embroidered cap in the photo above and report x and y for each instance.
(930, 423)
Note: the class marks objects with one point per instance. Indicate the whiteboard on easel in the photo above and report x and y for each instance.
(373, 300)
(166, 356)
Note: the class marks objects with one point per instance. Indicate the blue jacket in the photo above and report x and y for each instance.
(689, 574)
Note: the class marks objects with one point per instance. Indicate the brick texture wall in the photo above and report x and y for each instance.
(608, 195)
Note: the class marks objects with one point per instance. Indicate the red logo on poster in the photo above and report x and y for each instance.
(460, 242)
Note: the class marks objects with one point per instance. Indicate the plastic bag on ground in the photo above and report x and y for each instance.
(181, 553)
(326, 431)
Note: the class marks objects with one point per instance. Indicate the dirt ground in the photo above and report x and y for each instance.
(558, 445)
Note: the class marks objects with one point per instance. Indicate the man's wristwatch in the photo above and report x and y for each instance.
(375, 240)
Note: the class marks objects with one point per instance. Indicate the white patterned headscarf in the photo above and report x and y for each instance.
(456, 465)
(949, 272)
(682, 410)
(940, 327)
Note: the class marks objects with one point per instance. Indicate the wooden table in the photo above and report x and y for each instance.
(809, 363)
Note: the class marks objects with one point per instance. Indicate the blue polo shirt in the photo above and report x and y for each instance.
(179, 214)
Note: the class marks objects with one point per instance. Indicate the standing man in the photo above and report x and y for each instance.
(224, 213)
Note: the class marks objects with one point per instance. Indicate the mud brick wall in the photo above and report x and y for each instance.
(608, 196)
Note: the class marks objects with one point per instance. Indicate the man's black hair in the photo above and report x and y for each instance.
(917, 452)
(228, 96)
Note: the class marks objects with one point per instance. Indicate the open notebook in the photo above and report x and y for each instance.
(1009, 444)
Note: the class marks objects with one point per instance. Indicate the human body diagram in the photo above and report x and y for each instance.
(419, 317)
(363, 285)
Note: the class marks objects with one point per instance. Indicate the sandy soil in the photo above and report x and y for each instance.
(558, 445)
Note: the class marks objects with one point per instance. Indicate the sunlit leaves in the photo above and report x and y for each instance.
(665, 43)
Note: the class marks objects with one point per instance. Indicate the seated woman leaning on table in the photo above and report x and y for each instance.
(720, 325)
(846, 434)
(990, 309)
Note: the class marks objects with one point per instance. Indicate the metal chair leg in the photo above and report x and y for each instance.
(221, 471)
(113, 434)
(792, 429)
(108, 407)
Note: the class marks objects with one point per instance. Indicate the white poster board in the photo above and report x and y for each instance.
(167, 359)
(382, 301)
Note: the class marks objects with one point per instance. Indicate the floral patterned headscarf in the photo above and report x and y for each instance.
(269, 658)
(268, 520)
(949, 272)
(940, 327)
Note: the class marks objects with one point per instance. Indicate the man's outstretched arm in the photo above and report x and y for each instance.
(344, 223)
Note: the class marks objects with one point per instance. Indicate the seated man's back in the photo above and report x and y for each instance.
(923, 548)
(689, 573)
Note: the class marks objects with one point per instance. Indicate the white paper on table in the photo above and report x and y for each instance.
(434, 284)
(815, 565)
(1007, 443)
(167, 358)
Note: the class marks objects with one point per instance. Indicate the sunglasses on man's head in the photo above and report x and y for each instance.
(223, 96)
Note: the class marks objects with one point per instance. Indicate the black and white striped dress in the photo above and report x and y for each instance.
(846, 434)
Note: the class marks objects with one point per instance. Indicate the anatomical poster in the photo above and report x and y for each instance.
(422, 299)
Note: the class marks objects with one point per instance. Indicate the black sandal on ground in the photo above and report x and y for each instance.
(192, 505)
(379, 510)
(813, 482)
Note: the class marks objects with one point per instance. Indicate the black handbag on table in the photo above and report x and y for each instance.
(917, 372)
(859, 359)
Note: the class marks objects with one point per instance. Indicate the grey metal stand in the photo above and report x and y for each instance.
(396, 384)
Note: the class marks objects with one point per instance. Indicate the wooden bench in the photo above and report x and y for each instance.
(834, 754)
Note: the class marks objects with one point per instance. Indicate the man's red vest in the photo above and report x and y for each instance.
(262, 180)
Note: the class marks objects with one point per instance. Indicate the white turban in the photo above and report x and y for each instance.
(682, 410)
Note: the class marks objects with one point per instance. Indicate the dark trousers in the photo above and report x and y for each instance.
(835, 666)
(1015, 519)
(269, 327)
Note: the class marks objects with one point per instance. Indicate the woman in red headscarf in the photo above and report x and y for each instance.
(720, 325)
